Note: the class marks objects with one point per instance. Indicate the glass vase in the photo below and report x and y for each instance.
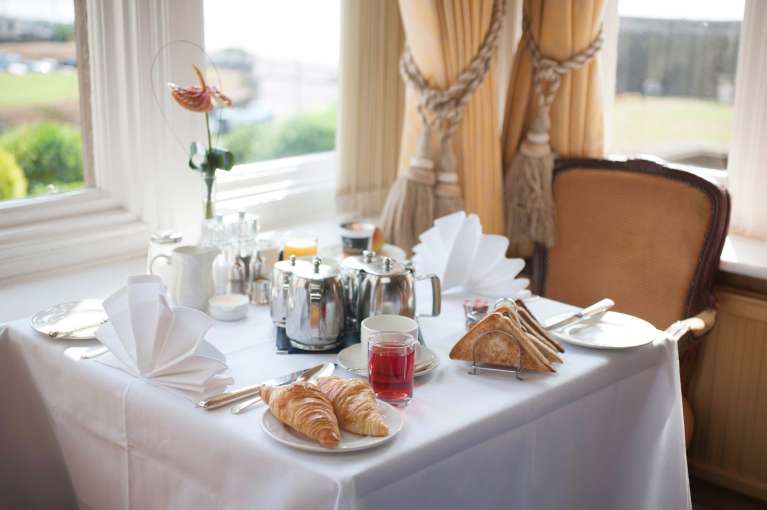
(208, 195)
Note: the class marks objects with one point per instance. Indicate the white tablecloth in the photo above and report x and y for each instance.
(604, 432)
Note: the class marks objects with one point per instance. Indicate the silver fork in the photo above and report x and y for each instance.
(244, 406)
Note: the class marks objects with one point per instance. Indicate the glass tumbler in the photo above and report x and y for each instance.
(391, 358)
(300, 244)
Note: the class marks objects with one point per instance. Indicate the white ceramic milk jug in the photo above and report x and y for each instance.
(192, 281)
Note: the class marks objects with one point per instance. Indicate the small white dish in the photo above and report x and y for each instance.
(281, 433)
(351, 359)
(228, 307)
(81, 318)
(615, 330)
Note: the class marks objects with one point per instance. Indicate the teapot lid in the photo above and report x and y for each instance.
(386, 266)
(316, 270)
(290, 265)
(357, 262)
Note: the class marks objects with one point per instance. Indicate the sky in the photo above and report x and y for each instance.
(308, 30)
(709, 10)
(60, 11)
(305, 30)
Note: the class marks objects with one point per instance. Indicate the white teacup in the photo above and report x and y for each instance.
(379, 323)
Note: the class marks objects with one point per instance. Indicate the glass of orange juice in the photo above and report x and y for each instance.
(300, 244)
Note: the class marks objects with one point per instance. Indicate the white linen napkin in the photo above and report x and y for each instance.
(456, 250)
(149, 339)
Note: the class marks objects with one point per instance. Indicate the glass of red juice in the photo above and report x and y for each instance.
(391, 357)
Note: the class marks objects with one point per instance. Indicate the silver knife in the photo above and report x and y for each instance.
(326, 370)
(590, 312)
(229, 397)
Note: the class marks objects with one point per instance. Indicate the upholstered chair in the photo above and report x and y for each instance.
(645, 234)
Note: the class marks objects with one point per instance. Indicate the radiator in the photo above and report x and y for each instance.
(729, 396)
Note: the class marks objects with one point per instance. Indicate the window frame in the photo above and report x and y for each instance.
(137, 172)
(51, 232)
(609, 63)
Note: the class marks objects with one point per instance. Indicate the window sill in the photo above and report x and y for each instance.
(60, 232)
(744, 256)
(54, 233)
(22, 299)
(282, 192)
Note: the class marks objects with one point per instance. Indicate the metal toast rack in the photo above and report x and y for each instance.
(476, 365)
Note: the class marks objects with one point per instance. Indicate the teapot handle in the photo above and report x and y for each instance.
(436, 294)
(315, 309)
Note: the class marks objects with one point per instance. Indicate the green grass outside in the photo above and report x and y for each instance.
(20, 90)
(644, 123)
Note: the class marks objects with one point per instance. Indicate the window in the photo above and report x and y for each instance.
(40, 137)
(675, 79)
(278, 62)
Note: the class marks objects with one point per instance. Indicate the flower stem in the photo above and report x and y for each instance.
(210, 138)
(210, 172)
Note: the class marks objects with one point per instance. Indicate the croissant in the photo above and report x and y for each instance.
(355, 405)
(306, 409)
(502, 344)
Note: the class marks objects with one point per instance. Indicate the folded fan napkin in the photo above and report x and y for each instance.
(147, 338)
(456, 250)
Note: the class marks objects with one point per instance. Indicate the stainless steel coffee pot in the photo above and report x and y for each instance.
(282, 277)
(385, 286)
(315, 307)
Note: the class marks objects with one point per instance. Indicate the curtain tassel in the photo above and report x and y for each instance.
(409, 207)
(530, 208)
(447, 193)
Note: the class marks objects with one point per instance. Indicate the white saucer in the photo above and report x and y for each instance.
(349, 442)
(613, 331)
(351, 359)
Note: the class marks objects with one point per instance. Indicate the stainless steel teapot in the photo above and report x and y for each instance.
(380, 285)
(315, 307)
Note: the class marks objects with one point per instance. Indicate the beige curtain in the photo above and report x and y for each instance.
(747, 166)
(561, 28)
(443, 36)
(371, 104)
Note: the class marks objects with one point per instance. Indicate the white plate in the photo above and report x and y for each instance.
(70, 316)
(613, 331)
(349, 442)
(350, 359)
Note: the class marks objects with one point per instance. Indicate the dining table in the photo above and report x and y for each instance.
(605, 431)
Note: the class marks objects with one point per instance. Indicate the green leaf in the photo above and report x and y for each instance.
(220, 158)
(197, 158)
